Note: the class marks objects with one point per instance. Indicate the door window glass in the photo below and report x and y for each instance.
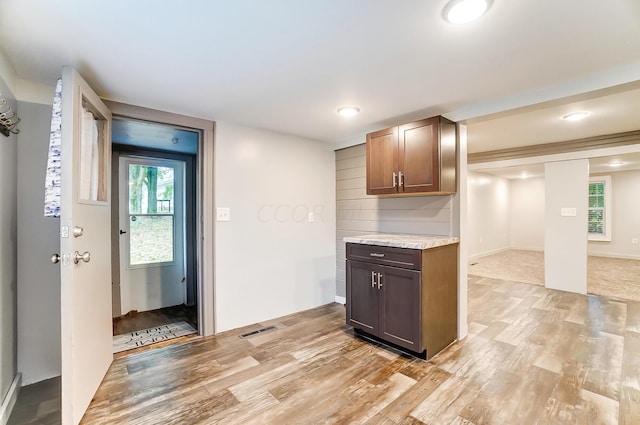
(151, 214)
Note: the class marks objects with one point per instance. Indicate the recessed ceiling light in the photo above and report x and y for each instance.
(615, 164)
(348, 111)
(463, 11)
(576, 116)
(524, 175)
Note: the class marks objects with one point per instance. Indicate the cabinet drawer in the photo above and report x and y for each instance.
(385, 255)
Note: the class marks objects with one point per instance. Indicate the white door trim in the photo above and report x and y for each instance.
(204, 202)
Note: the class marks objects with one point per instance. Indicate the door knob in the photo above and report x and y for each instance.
(55, 258)
(86, 257)
(77, 231)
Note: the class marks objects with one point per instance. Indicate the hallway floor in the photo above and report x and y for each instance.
(132, 322)
(148, 319)
(610, 277)
(38, 404)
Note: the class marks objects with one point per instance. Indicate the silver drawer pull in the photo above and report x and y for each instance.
(375, 254)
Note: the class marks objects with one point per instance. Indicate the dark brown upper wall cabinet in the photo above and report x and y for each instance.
(414, 158)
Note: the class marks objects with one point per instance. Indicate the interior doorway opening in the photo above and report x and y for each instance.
(154, 253)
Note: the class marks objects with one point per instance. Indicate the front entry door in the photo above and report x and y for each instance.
(152, 246)
(85, 245)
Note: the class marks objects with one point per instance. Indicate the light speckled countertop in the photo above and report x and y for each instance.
(403, 241)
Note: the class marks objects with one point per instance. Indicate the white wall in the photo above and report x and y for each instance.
(527, 213)
(38, 279)
(8, 243)
(269, 260)
(488, 214)
(527, 216)
(460, 228)
(626, 218)
(565, 248)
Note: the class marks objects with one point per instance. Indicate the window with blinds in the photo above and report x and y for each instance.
(599, 218)
(596, 208)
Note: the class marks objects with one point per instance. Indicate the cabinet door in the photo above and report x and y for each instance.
(362, 296)
(382, 162)
(400, 307)
(418, 157)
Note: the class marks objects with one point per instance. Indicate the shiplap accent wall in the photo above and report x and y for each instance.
(360, 214)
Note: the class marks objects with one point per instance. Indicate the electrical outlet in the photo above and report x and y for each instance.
(568, 212)
(223, 214)
(634, 241)
(312, 217)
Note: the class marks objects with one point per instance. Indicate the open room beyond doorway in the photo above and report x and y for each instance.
(155, 292)
(616, 278)
(510, 201)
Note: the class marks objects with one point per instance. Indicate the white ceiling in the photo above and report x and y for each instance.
(286, 65)
(597, 165)
(609, 113)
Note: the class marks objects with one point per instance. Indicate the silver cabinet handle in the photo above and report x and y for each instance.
(55, 258)
(373, 279)
(375, 254)
(86, 257)
(394, 179)
(379, 280)
(400, 179)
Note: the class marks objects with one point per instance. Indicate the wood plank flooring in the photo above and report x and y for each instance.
(38, 404)
(134, 321)
(532, 356)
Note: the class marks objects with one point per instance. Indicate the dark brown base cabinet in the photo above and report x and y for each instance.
(406, 297)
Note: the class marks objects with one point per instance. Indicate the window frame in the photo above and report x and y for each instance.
(608, 213)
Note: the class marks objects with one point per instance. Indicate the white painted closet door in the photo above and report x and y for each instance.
(85, 229)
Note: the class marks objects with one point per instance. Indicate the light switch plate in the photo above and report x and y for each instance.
(223, 214)
(568, 212)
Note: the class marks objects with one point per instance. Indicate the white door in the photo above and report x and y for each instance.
(152, 247)
(85, 244)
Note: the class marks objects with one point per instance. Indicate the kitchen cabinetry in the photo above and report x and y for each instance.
(406, 297)
(414, 158)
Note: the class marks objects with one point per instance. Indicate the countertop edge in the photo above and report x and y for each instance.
(422, 245)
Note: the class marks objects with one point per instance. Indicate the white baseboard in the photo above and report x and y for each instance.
(10, 399)
(528, 248)
(486, 253)
(614, 255)
(341, 300)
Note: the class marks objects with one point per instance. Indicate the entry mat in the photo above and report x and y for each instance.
(149, 336)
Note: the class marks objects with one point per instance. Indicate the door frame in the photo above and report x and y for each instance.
(204, 221)
(189, 214)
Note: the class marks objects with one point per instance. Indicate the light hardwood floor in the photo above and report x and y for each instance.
(611, 277)
(533, 356)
